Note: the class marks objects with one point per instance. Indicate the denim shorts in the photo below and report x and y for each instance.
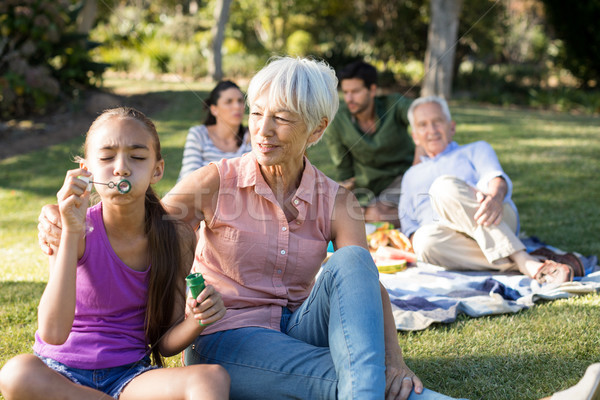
(111, 381)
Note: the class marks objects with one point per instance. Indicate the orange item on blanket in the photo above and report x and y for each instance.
(399, 240)
(391, 249)
(385, 236)
(391, 253)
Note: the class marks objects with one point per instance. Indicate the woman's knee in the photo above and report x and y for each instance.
(351, 260)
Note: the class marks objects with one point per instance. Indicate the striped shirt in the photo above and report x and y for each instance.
(200, 150)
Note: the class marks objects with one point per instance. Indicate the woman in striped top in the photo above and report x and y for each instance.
(222, 135)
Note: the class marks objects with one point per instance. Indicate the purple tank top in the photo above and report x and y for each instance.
(108, 329)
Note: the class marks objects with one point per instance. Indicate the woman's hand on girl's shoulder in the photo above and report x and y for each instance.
(49, 229)
(208, 307)
(73, 200)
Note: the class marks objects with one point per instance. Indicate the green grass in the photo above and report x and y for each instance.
(553, 161)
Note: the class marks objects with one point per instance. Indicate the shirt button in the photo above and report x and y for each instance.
(284, 229)
(296, 201)
(298, 222)
(279, 271)
(282, 252)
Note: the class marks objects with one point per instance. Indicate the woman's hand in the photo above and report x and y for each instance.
(208, 307)
(49, 228)
(399, 379)
(73, 201)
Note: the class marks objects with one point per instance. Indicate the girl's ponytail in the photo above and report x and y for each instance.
(166, 272)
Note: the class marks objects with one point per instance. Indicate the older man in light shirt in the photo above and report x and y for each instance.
(456, 204)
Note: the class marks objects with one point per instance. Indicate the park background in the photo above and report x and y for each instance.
(523, 76)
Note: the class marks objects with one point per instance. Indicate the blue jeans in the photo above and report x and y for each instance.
(331, 347)
(111, 381)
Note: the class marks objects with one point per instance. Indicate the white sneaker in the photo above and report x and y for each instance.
(588, 388)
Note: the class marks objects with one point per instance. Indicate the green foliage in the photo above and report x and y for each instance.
(299, 43)
(141, 41)
(504, 54)
(566, 99)
(41, 55)
(521, 84)
(510, 58)
(497, 84)
(481, 30)
(576, 24)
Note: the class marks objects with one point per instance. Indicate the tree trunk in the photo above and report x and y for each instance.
(441, 46)
(87, 16)
(215, 67)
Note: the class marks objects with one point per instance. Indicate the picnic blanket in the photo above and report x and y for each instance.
(427, 294)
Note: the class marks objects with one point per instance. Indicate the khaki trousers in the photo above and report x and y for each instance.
(457, 241)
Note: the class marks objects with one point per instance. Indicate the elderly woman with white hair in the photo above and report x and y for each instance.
(268, 218)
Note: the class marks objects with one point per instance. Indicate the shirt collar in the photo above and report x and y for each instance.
(450, 148)
(380, 111)
(249, 175)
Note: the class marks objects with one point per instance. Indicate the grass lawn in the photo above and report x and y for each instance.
(553, 161)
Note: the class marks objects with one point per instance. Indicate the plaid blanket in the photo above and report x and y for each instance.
(427, 294)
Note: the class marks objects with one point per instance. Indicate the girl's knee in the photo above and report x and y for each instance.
(17, 373)
(219, 374)
(208, 378)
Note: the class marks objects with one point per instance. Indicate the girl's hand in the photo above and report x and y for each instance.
(208, 307)
(73, 201)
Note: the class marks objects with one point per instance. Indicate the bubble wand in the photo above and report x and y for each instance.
(123, 186)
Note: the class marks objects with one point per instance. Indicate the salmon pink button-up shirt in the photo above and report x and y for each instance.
(252, 255)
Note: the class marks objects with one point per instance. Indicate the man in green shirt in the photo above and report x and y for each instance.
(369, 143)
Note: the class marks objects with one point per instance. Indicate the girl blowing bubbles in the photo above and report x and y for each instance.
(115, 293)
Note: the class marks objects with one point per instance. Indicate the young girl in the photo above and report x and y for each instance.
(115, 294)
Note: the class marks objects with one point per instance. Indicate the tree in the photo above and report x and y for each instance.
(342, 30)
(575, 23)
(215, 65)
(87, 16)
(441, 46)
(42, 56)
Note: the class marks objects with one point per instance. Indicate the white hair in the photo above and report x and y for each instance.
(425, 100)
(304, 86)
